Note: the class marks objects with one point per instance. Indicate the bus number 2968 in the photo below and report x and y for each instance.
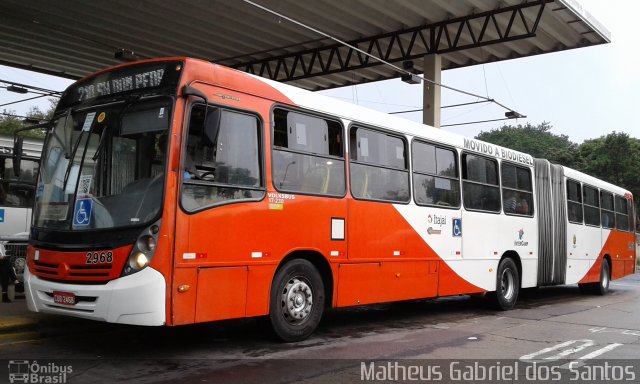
(99, 257)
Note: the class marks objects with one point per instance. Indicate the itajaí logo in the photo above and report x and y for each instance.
(519, 242)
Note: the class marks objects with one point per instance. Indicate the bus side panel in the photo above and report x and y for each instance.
(184, 304)
(222, 293)
(367, 283)
(583, 249)
(618, 247)
(258, 288)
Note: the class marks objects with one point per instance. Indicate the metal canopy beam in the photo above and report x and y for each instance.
(500, 25)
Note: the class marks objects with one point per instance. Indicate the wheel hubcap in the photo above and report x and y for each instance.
(506, 284)
(297, 300)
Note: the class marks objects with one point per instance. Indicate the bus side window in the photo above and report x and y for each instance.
(591, 206)
(436, 179)
(308, 154)
(574, 201)
(517, 190)
(622, 213)
(608, 216)
(480, 187)
(224, 167)
(378, 166)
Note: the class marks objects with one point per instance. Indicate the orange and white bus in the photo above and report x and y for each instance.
(177, 191)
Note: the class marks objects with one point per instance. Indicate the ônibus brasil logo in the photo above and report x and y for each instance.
(25, 371)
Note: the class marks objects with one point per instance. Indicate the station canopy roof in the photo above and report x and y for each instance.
(73, 38)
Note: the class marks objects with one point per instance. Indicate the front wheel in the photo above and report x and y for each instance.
(297, 301)
(507, 285)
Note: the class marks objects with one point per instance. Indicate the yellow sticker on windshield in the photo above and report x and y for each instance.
(101, 117)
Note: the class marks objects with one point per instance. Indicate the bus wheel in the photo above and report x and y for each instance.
(602, 287)
(297, 301)
(507, 285)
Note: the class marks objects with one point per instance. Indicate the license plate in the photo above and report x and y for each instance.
(64, 298)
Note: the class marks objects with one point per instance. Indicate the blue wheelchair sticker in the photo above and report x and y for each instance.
(457, 227)
(82, 212)
(2, 215)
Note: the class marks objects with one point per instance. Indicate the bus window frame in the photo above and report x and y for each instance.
(532, 192)
(324, 116)
(499, 185)
(412, 171)
(407, 161)
(615, 206)
(580, 193)
(183, 150)
(585, 185)
(613, 201)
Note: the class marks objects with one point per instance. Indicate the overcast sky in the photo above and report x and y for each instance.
(584, 93)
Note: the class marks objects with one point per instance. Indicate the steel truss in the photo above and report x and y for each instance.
(472, 31)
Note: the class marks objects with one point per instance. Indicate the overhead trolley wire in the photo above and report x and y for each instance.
(401, 70)
(31, 88)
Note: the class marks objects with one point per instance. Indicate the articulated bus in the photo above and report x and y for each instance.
(176, 191)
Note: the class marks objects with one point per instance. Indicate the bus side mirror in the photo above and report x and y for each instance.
(17, 154)
(212, 125)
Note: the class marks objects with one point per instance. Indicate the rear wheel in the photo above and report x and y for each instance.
(602, 287)
(297, 301)
(507, 285)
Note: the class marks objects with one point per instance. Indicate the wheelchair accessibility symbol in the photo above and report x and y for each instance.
(457, 227)
(82, 212)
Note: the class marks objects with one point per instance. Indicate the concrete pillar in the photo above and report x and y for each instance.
(431, 93)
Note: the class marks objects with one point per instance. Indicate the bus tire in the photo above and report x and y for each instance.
(297, 301)
(602, 287)
(507, 285)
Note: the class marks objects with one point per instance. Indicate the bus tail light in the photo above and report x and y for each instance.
(143, 250)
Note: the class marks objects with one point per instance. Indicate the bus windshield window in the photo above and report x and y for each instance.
(103, 167)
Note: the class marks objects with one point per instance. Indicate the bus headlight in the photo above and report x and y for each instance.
(143, 250)
(141, 260)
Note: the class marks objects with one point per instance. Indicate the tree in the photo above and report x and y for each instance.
(9, 122)
(538, 141)
(614, 158)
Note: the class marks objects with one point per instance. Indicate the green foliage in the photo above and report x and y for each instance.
(538, 141)
(614, 158)
(9, 124)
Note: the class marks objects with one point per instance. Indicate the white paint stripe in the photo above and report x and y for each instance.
(600, 351)
(188, 256)
(256, 255)
(566, 352)
(581, 360)
(543, 351)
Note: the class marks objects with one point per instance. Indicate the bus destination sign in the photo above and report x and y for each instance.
(148, 79)
(136, 78)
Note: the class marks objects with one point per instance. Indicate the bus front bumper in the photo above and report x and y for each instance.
(137, 299)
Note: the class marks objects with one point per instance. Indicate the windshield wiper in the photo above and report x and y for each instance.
(100, 144)
(71, 155)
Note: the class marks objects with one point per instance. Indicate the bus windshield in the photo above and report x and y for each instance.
(103, 166)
